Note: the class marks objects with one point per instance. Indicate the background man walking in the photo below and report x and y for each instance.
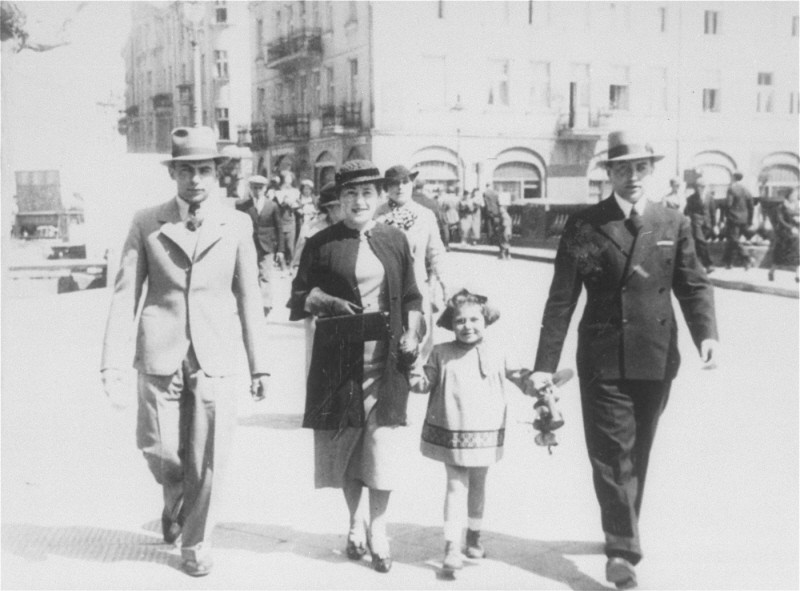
(202, 299)
(631, 255)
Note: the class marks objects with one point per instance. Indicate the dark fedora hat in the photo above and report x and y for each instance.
(328, 194)
(490, 313)
(624, 145)
(356, 172)
(190, 144)
(398, 174)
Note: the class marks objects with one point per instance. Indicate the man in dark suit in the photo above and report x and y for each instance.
(699, 211)
(738, 217)
(630, 254)
(200, 315)
(267, 235)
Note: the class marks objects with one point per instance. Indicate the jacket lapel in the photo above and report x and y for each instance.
(173, 228)
(210, 232)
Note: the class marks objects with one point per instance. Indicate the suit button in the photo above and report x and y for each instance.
(624, 321)
(661, 289)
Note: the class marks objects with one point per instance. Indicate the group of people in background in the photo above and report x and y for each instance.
(739, 221)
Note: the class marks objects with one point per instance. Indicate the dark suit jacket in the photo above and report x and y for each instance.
(267, 233)
(628, 329)
(698, 211)
(739, 204)
(334, 395)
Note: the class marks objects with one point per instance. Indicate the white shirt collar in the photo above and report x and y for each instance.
(627, 206)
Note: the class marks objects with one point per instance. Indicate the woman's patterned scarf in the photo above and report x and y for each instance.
(399, 216)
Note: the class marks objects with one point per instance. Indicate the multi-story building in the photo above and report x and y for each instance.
(160, 78)
(521, 94)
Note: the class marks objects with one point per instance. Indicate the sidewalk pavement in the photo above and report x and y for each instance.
(753, 280)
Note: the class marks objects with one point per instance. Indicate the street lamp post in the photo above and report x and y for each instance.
(194, 12)
(457, 108)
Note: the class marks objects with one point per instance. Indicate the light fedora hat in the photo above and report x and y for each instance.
(625, 144)
(190, 144)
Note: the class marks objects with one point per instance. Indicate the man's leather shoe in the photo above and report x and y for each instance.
(620, 572)
(171, 529)
(197, 567)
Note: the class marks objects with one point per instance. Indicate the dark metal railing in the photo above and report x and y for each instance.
(302, 41)
(291, 126)
(345, 115)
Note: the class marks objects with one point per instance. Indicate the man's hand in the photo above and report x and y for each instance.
(709, 353)
(114, 387)
(279, 258)
(258, 386)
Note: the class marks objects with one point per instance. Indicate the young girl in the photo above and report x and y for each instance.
(465, 422)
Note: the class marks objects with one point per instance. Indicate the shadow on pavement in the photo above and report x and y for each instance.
(35, 542)
(272, 421)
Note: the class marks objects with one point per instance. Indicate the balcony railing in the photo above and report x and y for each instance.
(294, 126)
(345, 116)
(259, 140)
(298, 45)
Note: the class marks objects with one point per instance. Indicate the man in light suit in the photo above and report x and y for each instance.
(267, 235)
(630, 254)
(201, 303)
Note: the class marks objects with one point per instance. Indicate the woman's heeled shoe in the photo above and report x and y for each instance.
(381, 564)
(355, 549)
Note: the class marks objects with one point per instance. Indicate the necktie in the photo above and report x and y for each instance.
(193, 221)
(634, 222)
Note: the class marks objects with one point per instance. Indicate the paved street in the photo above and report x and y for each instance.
(80, 509)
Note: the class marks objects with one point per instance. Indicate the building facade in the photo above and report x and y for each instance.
(520, 95)
(160, 72)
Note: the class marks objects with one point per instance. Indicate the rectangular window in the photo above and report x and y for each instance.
(580, 75)
(260, 37)
(440, 8)
(330, 95)
(619, 89)
(302, 92)
(539, 92)
(795, 26)
(794, 102)
(315, 15)
(261, 106)
(222, 12)
(662, 19)
(711, 102)
(221, 62)
(223, 124)
(352, 14)
(765, 97)
(712, 22)
(354, 91)
(329, 15)
(279, 100)
(432, 82)
(499, 83)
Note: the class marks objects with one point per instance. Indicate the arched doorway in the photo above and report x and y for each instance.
(716, 169)
(779, 175)
(519, 175)
(437, 167)
(355, 153)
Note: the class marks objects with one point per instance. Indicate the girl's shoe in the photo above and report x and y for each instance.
(356, 549)
(474, 547)
(452, 558)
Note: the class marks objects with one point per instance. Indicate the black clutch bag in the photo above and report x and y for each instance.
(355, 328)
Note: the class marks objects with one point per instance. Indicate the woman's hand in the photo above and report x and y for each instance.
(320, 303)
(408, 349)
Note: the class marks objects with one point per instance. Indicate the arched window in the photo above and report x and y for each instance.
(324, 169)
(520, 180)
(779, 180)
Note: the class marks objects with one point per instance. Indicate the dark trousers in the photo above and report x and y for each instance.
(734, 251)
(701, 245)
(620, 418)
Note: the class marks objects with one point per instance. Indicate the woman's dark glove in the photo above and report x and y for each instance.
(320, 303)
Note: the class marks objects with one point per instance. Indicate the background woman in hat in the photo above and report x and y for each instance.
(465, 423)
(421, 228)
(357, 392)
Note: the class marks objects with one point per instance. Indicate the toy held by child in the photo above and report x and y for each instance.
(465, 422)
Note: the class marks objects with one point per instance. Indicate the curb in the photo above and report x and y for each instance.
(548, 256)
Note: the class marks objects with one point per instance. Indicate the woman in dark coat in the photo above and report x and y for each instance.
(785, 252)
(357, 392)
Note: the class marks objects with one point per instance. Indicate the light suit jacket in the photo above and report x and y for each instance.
(206, 296)
(628, 329)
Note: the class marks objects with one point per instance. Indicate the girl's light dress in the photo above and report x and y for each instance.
(466, 417)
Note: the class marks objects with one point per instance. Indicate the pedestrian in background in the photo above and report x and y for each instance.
(786, 252)
(672, 200)
(267, 235)
(449, 204)
(308, 207)
(699, 210)
(288, 198)
(420, 197)
(631, 256)
(465, 422)
(427, 250)
(197, 259)
(357, 390)
(738, 217)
